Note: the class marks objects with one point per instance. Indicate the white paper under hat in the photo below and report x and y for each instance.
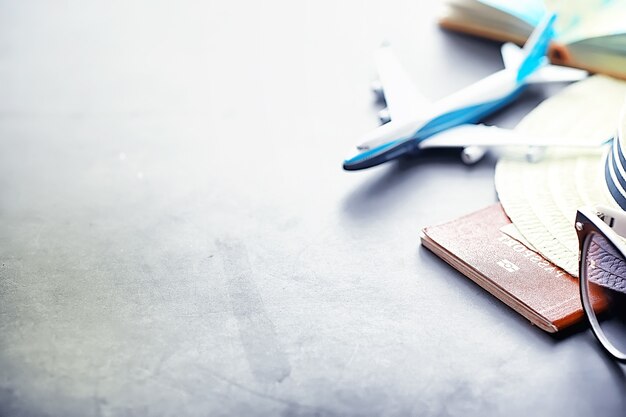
(541, 198)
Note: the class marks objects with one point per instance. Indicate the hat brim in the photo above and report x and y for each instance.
(541, 198)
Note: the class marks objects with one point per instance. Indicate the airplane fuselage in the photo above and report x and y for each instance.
(469, 105)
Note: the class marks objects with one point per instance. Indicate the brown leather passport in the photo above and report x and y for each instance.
(521, 278)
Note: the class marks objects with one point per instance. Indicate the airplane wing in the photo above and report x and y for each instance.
(556, 73)
(403, 100)
(492, 136)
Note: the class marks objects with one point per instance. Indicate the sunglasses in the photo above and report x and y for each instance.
(602, 272)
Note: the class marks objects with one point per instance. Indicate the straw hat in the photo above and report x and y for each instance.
(541, 198)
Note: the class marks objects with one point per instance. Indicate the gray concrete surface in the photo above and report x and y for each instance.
(177, 236)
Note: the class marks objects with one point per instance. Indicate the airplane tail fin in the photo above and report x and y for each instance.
(536, 47)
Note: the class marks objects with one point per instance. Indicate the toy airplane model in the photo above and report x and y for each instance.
(417, 124)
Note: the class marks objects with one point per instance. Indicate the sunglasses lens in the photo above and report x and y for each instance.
(604, 291)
